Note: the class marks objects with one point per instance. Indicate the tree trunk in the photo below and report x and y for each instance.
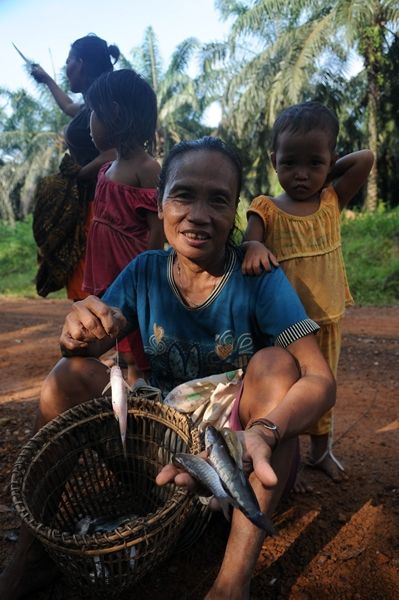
(371, 48)
(371, 201)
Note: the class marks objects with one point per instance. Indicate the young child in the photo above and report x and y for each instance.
(125, 221)
(300, 230)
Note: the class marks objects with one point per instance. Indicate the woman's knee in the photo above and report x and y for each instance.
(70, 382)
(273, 363)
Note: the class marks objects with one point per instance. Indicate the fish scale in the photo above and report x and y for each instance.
(203, 472)
(119, 388)
(234, 480)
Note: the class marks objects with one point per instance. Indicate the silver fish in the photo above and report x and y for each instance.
(119, 389)
(205, 474)
(88, 525)
(234, 445)
(234, 480)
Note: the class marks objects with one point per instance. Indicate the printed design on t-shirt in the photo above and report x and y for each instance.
(159, 332)
(157, 344)
(184, 367)
(181, 360)
(226, 344)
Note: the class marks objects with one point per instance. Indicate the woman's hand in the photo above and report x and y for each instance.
(256, 457)
(39, 74)
(91, 321)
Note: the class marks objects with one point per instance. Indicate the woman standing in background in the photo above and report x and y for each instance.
(88, 58)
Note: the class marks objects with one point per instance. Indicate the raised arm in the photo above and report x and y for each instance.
(66, 104)
(91, 328)
(349, 174)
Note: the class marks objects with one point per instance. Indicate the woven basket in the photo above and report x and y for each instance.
(73, 470)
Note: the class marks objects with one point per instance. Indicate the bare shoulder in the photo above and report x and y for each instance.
(148, 173)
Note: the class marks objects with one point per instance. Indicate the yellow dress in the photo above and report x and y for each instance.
(309, 251)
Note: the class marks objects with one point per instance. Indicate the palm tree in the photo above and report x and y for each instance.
(30, 147)
(181, 102)
(292, 41)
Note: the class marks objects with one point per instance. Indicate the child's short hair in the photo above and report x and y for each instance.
(305, 117)
(127, 106)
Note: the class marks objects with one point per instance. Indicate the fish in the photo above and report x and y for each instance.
(233, 444)
(88, 525)
(204, 473)
(119, 389)
(234, 480)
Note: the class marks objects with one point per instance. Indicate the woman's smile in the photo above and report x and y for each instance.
(198, 211)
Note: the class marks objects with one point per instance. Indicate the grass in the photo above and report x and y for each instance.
(18, 263)
(370, 246)
(371, 253)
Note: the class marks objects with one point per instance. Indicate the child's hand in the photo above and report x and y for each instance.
(257, 259)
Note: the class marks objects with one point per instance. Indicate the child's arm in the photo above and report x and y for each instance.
(349, 174)
(156, 238)
(257, 257)
(92, 168)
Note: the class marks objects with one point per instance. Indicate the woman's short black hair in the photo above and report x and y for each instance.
(95, 54)
(213, 144)
(127, 106)
(305, 117)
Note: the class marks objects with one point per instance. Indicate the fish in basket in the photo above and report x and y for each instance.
(96, 510)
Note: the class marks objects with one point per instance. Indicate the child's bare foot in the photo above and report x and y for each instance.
(322, 458)
(330, 466)
(301, 485)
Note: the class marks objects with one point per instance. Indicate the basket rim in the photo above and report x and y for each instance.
(97, 408)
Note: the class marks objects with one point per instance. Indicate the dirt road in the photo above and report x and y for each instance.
(341, 542)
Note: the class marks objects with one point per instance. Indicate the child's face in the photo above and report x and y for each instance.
(98, 133)
(303, 162)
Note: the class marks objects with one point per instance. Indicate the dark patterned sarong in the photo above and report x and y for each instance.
(58, 226)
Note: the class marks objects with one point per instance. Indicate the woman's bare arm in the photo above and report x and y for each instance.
(66, 104)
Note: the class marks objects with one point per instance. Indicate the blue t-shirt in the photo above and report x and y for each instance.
(241, 316)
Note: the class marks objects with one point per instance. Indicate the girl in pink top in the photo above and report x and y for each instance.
(125, 222)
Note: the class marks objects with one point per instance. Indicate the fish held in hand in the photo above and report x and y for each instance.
(234, 480)
(233, 444)
(206, 475)
(119, 388)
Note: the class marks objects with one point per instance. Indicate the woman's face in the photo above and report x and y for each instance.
(74, 72)
(199, 204)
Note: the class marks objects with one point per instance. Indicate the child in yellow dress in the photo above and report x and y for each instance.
(300, 231)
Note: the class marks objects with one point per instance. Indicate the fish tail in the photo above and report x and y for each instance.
(106, 388)
(263, 522)
(225, 506)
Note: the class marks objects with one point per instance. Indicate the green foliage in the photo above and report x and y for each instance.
(181, 99)
(18, 260)
(370, 245)
(371, 253)
(30, 147)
